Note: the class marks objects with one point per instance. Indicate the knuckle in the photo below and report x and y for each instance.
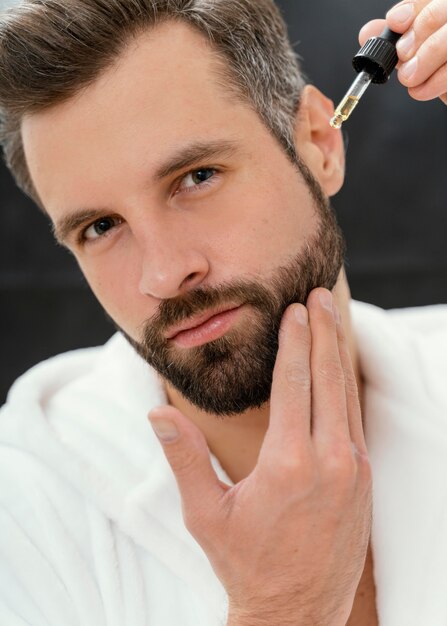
(297, 375)
(364, 470)
(182, 461)
(340, 463)
(330, 370)
(301, 471)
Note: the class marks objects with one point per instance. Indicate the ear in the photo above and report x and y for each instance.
(317, 143)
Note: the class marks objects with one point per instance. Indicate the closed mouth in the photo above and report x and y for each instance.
(197, 321)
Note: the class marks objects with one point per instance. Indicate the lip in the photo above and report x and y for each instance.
(211, 329)
(193, 323)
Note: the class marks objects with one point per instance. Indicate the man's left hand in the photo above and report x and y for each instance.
(422, 49)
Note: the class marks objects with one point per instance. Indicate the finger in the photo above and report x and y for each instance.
(371, 29)
(401, 16)
(399, 19)
(329, 414)
(434, 87)
(431, 18)
(187, 453)
(430, 57)
(290, 405)
(352, 393)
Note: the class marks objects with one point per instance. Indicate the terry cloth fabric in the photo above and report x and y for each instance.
(91, 529)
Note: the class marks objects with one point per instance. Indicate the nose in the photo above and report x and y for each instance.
(170, 267)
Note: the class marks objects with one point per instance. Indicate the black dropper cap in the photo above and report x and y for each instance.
(378, 57)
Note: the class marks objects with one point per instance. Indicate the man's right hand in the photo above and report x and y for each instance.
(289, 541)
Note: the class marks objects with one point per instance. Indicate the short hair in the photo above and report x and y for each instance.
(51, 49)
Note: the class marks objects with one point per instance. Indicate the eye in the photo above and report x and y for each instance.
(100, 228)
(196, 178)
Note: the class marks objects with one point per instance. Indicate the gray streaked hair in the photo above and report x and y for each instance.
(51, 49)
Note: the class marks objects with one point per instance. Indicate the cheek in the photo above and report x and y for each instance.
(245, 233)
(265, 229)
(114, 280)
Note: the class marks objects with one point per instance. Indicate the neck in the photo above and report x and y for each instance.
(236, 441)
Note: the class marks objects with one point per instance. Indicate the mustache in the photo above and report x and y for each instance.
(201, 300)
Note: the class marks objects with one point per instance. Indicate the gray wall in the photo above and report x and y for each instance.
(393, 207)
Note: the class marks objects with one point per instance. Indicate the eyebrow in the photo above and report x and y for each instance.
(186, 157)
(190, 155)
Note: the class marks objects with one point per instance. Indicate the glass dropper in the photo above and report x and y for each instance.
(374, 63)
(351, 99)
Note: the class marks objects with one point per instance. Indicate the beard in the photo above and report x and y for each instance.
(233, 373)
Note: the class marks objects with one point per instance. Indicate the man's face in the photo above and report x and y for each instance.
(178, 203)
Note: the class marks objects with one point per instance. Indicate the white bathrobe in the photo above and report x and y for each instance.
(91, 530)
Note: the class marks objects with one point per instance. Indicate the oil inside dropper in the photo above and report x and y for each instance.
(343, 111)
(351, 99)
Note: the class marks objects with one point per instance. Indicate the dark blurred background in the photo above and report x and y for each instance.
(393, 207)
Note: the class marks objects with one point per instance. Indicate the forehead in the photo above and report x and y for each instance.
(163, 90)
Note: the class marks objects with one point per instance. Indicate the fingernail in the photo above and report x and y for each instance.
(165, 430)
(301, 315)
(326, 300)
(409, 68)
(401, 13)
(406, 44)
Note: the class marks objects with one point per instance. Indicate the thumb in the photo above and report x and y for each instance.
(188, 455)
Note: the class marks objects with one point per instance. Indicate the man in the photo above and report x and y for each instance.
(185, 164)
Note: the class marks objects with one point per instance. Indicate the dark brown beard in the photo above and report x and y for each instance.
(232, 374)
